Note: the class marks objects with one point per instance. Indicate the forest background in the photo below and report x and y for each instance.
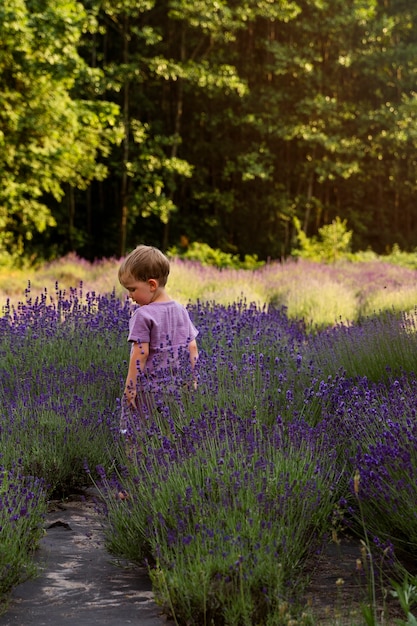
(240, 124)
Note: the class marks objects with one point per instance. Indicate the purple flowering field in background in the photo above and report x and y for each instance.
(232, 487)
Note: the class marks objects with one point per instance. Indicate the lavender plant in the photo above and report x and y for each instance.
(372, 427)
(261, 369)
(60, 358)
(228, 510)
(22, 509)
(387, 464)
(378, 347)
(233, 450)
(61, 363)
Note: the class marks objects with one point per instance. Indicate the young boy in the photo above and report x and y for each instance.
(159, 328)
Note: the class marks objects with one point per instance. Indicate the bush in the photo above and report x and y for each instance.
(206, 255)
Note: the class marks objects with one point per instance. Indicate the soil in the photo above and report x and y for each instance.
(339, 588)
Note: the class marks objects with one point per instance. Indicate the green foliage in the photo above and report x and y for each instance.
(402, 258)
(153, 174)
(406, 592)
(187, 135)
(332, 244)
(203, 253)
(48, 137)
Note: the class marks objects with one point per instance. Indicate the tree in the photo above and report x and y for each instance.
(235, 118)
(159, 61)
(225, 201)
(47, 137)
(344, 80)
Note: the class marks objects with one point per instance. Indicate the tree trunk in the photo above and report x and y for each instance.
(308, 203)
(177, 129)
(71, 217)
(125, 157)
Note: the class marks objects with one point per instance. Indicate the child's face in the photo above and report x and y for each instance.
(141, 292)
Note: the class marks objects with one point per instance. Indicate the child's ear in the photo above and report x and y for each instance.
(153, 284)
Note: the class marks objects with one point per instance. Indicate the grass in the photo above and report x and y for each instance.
(234, 486)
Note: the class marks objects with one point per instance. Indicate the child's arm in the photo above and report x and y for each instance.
(193, 349)
(138, 357)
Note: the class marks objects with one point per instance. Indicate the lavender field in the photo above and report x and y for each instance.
(299, 430)
(317, 293)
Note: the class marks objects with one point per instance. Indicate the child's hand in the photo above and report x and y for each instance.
(130, 395)
(191, 385)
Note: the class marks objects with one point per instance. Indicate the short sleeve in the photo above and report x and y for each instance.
(140, 328)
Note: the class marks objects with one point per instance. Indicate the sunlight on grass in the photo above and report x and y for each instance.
(321, 304)
(398, 299)
(321, 295)
(68, 272)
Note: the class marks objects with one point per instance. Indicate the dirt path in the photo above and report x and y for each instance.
(339, 589)
(79, 582)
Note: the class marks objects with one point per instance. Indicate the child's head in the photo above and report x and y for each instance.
(143, 263)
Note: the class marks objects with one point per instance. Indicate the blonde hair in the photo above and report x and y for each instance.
(143, 263)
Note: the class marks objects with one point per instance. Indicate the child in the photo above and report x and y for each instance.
(158, 329)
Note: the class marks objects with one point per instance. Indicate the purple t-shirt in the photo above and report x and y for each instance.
(166, 326)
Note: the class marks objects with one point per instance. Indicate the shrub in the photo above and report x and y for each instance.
(206, 255)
